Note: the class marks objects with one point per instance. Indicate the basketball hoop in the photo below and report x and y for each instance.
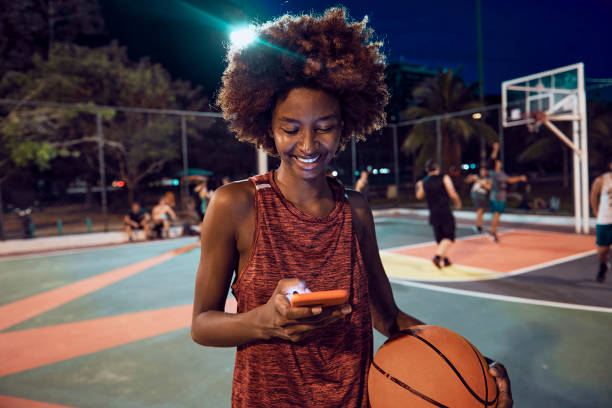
(538, 118)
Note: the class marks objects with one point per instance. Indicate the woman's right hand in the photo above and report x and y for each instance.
(278, 319)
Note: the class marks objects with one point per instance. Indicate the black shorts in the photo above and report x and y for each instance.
(444, 231)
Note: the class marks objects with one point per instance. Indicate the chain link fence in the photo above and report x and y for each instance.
(103, 158)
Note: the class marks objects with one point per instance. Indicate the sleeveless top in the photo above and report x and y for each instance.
(437, 200)
(604, 215)
(329, 367)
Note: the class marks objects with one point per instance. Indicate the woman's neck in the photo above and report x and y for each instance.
(302, 192)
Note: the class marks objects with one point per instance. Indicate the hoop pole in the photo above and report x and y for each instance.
(563, 138)
(584, 148)
(262, 161)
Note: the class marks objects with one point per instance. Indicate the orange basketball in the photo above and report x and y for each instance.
(430, 366)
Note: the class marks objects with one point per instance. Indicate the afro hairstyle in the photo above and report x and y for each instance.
(327, 53)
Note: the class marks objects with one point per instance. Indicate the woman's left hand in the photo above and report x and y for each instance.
(498, 371)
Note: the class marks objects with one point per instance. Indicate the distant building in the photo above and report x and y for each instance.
(402, 78)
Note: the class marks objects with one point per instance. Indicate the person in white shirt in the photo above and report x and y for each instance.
(601, 203)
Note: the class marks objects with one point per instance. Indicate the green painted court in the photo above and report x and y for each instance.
(109, 327)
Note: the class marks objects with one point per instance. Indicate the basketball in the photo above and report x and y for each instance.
(430, 366)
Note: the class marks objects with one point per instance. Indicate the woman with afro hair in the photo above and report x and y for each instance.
(300, 91)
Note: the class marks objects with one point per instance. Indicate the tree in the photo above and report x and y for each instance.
(137, 144)
(444, 93)
(29, 27)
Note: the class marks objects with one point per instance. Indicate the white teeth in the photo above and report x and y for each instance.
(314, 159)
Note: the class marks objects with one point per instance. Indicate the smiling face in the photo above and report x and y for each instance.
(306, 127)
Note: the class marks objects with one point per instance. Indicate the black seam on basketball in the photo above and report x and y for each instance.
(407, 387)
(449, 364)
(484, 375)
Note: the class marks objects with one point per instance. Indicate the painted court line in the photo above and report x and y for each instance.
(24, 309)
(61, 252)
(504, 298)
(26, 349)
(424, 244)
(547, 264)
(14, 402)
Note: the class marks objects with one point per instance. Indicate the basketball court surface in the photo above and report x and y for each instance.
(109, 327)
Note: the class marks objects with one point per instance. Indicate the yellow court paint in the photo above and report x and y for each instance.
(411, 267)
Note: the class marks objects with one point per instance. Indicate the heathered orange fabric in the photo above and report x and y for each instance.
(329, 367)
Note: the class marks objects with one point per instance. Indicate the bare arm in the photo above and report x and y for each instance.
(595, 194)
(386, 317)
(450, 190)
(516, 179)
(486, 183)
(495, 150)
(420, 191)
(230, 208)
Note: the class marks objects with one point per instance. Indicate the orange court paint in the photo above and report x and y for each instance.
(517, 249)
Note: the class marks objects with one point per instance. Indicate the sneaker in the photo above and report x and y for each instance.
(477, 229)
(436, 261)
(493, 236)
(447, 262)
(601, 275)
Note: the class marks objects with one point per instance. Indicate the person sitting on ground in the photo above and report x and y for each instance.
(161, 214)
(136, 218)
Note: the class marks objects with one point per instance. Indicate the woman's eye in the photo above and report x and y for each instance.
(291, 131)
(325, 130)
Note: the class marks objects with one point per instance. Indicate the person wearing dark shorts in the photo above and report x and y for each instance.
(438, 190)
(136, 218)
(601, 204)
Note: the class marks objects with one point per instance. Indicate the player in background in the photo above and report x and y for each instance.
(479, 194)
(499, 189)
(437, 189)
(601, 204)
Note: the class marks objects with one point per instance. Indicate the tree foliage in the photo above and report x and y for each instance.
(29, 27)
(444, 93)
(136, 144)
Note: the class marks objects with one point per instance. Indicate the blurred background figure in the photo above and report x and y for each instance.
(135, 219)
(162, 213)
(362, 183)
(479, 194)
(204, 194)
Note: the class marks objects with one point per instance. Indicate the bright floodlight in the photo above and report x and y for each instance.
(242, 37)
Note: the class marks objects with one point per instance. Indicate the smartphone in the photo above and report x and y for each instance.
(323, 298)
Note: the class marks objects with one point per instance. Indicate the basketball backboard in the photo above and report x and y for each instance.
(556, 92)
(547, 97)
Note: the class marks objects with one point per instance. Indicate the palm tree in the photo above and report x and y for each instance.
(444, 93)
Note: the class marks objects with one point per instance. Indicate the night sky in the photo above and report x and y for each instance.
(520, 37)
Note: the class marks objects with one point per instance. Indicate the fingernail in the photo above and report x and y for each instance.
(316, 310)
(346, 309)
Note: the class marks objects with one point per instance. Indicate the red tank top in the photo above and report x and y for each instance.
(329, 367)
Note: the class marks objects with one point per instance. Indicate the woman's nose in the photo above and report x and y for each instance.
(308, 142)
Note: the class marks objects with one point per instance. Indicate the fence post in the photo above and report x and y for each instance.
(396, 163)
(184, 185)
(1, 215)
(439, 142)
(501, 139)
(102, 169)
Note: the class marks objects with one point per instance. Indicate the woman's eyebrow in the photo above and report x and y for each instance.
(292, 120)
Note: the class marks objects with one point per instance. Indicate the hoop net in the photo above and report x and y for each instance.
(538, 118)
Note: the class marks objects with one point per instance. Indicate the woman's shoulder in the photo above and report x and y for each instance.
(237, 197)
